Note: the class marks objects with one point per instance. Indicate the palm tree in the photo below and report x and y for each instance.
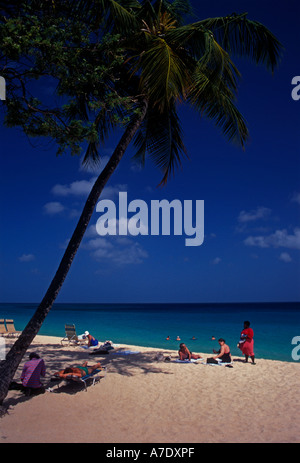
(164, 62)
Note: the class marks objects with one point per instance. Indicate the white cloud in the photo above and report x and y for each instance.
(83, 188)
(118, 250)
(281, 238)
(260, 241)
(285, 257)
(121, 255)
(296, 198)
(77, 188)
(251, 216)
(216, 261)
(112, 192)
(27, 258)
(98, 243)
(91, 232)
(53, 208)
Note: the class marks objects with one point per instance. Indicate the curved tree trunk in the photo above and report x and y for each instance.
(9, 366)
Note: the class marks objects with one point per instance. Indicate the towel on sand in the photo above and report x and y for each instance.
(186, 361)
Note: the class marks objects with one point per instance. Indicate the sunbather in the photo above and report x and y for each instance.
(185, 354)
(78, 370)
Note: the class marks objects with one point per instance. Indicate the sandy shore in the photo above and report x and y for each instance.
(142, 400)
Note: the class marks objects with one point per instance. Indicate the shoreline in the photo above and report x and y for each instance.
(142, 400)
(126, 322)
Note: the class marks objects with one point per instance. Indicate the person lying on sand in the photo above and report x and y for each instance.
(78, 370)
(185, 354)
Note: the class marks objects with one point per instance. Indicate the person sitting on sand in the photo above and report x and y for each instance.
(223, 353)
(78, 370)
(185, 354)
(92, 342)
(31, 374)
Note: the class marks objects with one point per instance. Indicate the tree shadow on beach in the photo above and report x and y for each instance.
(136, 363)
(117, 361)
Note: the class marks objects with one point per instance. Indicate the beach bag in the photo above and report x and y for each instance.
(107, 345)
(212, 360)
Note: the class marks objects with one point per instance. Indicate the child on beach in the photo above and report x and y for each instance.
(242, 340)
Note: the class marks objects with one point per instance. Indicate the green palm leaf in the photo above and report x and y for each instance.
(215, 100)
(161, 137)
(241, 36)
(161, 71)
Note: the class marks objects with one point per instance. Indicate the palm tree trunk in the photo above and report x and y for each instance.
(13, 358)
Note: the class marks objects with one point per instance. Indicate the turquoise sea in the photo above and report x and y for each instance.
(274, 324)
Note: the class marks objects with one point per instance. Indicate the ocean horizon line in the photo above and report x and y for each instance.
(157, 302)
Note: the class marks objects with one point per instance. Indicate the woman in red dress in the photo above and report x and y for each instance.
(247, 347)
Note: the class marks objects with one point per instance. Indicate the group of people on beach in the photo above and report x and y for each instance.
(35, 368)
(223, 355)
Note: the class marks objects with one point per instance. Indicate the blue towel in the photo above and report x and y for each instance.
(126, 352)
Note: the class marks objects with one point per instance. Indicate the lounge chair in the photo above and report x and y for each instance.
(3, 329)
(11, 330)
(95, 376)
(71, 335)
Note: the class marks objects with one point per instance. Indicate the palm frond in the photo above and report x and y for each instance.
(111, 15)
(160, 136)
(179, 9)
(241, 36)
(104, 123)
(216, 102)
(161, 71)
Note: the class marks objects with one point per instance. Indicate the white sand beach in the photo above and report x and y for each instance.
(142, 400)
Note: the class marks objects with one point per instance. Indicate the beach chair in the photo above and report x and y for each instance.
(71, 335)
(95, 377)
(11, 330)
(3, 329)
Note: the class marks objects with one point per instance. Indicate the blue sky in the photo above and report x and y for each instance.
(251, 249)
